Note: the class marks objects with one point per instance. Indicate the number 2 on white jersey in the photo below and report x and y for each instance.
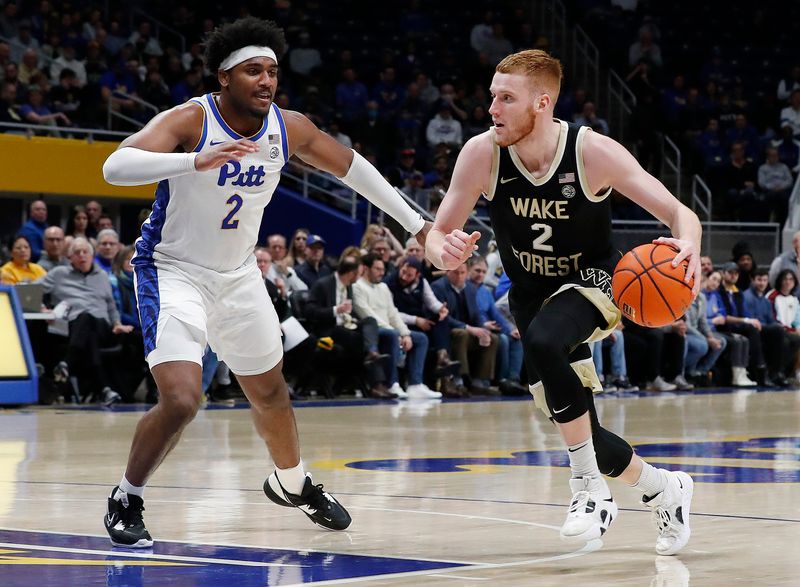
(229, 222)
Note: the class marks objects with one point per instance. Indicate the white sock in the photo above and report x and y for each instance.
(126, 486)
(582, 459)
(652, 481)
(293, 479)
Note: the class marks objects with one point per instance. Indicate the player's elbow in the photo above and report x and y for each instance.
(113, 169)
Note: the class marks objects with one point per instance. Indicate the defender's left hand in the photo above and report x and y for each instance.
(686, 250)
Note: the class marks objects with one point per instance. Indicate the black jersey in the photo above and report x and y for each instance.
(549, 230)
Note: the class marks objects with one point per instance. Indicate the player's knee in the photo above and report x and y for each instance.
(271, 395)
(543, 348)
(181, 407)
(613, 454)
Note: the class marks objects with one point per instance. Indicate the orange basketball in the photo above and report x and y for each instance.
(648, 289)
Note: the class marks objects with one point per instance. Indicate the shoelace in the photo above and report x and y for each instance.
(664, 522)
(132, 515)
(580, 501)
(318, 499)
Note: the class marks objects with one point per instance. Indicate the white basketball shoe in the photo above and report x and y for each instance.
(591, 511)
(671, 512)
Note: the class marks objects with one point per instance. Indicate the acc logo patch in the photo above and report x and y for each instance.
(567, 191)
(273, 153)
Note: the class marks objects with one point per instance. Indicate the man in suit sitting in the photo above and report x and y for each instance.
(473, 345)
(329, 312)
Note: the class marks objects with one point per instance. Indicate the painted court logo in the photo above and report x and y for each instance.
(778, 460)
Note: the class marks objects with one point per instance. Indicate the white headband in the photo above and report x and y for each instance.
(246, 53)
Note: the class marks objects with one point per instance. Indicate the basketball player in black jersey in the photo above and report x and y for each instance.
(547, 183)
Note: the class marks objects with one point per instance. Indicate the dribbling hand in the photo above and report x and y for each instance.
(218, 155)
(686, 250)
(458, 247)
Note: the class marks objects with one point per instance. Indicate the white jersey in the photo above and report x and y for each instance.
(212, 218)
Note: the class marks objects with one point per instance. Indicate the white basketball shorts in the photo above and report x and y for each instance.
(182, 306)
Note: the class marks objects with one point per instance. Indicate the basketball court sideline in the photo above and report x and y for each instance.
(441, 493)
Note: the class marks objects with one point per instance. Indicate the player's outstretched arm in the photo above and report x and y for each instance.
(608, 163)
(448, 246)
(149, 155)
(320, 150)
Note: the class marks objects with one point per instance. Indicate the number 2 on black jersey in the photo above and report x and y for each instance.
(229, 222)
(538, 242)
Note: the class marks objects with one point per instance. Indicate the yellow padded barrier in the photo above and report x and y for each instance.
(60, 166)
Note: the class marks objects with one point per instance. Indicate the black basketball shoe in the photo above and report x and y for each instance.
(124, 521)
(320, 506)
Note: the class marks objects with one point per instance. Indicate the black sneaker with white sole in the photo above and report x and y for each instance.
(124, 521)
(320, 506)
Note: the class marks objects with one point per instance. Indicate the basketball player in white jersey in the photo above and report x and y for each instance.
(548, 182)
(217, 160)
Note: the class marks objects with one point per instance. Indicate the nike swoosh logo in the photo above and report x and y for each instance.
(506, 180)
(212, 143)
(110, 519)
(561, 410)
(679, 483)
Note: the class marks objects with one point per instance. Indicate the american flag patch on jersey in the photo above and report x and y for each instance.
(274, 139)
(566, 178)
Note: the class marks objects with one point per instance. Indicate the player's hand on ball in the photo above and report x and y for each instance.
(686, 250)
(218, 155)
(458, 247)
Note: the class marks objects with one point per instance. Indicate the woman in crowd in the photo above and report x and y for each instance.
(297, 248)
(20, 269)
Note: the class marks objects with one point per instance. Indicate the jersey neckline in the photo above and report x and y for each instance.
(226, 127)
(560, 148)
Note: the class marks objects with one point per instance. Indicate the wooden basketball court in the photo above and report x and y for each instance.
(441, 493)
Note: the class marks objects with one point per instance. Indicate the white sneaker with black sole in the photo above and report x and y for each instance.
(591, 510)
(671, 510)
(320, 506)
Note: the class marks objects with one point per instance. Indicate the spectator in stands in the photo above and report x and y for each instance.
(744, 133)
(479, 121)
(315, 266)
(738, 344)
(416, 251)
(444, 129)
(280, 269)
(743, 258)
(775, 181)
(790, 116)
(382, 249)
(481, 32)
(335, 130)
(330, 313)
(416, 190)
(23, 42)
(645, 49)
(68, 60)
(509, 349)
(276, 286)
(351, 97)
(372, 297)
(473, 345)
(20, 269)
(710, 145)
(675, 347)
(304, 58)
(53, 253)
(497, 45)
(786, 308)
(773, 337)
(66, 96)
(617, 379)
(92, 314)
(789, 84)
(703, 344)
(143, 41)
(378, 231)
(644, 348)
(738, 320)
(107, 249)
(9, 109)
(741, 175)
(588, 117)
(298, 248)
(29, 72)
(34, 227)
(78, 224)
(94, 210)
(706, 265)
(35, 111)
(788, 149)
(9, 20)
(786, 260)
(389, 94)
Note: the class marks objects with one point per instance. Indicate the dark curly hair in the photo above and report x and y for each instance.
(226, 39)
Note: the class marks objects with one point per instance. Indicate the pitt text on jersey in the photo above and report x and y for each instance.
(250, 178)
(534, 261)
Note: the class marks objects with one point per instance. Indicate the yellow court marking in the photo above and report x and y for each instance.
(5, 559)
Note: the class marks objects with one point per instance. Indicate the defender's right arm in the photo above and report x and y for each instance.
(164, 149)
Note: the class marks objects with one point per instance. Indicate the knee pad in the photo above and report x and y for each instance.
(612, 452)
